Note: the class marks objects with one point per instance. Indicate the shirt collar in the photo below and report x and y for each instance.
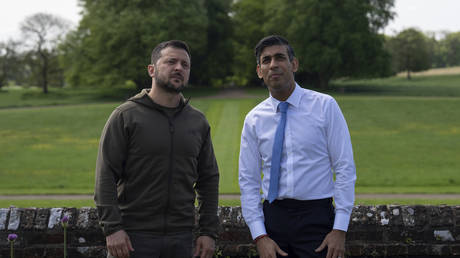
(293, 100)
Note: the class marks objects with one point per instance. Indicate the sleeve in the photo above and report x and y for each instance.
(109, 166)
(250, 181)
(207, 188)
(341, 156)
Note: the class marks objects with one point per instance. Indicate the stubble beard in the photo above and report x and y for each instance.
(168, 86)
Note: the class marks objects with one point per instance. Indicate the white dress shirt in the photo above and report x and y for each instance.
(316, 145)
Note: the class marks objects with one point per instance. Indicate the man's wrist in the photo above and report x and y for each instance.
(340, 231)
(259, 237)
(213, 237)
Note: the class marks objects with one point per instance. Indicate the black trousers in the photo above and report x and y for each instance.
(299, 227)
(147, 245)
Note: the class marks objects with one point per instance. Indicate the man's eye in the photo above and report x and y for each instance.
(266, 61)
(280, 58)
(185, 65)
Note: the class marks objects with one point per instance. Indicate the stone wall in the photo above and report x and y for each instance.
(375, 231)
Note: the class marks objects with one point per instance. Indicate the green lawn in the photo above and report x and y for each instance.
(406, 142)
(30, 97)
(401, 144)
(428, 86)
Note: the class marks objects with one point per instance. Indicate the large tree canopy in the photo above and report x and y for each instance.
(113, 43)
(333, 38)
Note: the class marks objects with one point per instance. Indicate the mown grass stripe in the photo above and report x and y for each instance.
(226, 147)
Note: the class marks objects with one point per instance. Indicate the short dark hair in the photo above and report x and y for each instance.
(273, 40)
(156, 52)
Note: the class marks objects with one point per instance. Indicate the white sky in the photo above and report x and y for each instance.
(13, 12)
(427, 15)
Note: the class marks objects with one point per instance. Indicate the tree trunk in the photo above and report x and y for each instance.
(408, 74)
(44, 58)
(45, 75)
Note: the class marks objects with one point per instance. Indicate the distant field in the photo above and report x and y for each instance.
(30, 97)
(418, 86)
(435, 71)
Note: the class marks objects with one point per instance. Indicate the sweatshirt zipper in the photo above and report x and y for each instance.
(171, 163)
(171, 168)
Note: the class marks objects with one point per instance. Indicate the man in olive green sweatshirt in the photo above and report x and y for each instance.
(155, 158)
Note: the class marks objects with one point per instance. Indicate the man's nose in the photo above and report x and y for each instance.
(273, 63)
(178, 67)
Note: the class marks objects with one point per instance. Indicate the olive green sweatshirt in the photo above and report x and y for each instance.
(151, 165)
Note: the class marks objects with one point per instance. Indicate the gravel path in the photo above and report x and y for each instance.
(234, 196)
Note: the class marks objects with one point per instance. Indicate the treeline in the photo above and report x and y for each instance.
(413, 50)
(111, 45)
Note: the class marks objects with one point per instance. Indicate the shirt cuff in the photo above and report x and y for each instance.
(257, 228)
(341, 221)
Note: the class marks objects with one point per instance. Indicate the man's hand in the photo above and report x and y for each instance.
(205, 247)
(335, 242)
(118, 244)
(267, 248)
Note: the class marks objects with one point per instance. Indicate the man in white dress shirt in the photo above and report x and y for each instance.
(299, 220)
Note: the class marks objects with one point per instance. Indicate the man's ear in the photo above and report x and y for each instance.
(259, 73)
(151, 70)
(295, 64)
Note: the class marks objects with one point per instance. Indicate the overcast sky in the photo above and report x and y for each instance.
(427, 15)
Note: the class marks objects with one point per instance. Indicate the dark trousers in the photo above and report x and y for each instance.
(299, 227)
(148, 245)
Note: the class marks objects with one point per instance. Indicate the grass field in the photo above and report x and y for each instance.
(33, 96)
(419, 86)
(406, 138)
(401, 144)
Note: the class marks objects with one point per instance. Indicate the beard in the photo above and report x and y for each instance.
(166, 85)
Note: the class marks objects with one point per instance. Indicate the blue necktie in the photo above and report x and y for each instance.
(276, 154)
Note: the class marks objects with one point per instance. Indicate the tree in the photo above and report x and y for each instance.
(451, 44)
(410, 50)
(219, 48)
(44, 32)
(248, 17)
(113, 43)
(333, 38)
(436, 49)
(9, 62)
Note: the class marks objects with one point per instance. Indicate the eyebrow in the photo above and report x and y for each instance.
(274, 55)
